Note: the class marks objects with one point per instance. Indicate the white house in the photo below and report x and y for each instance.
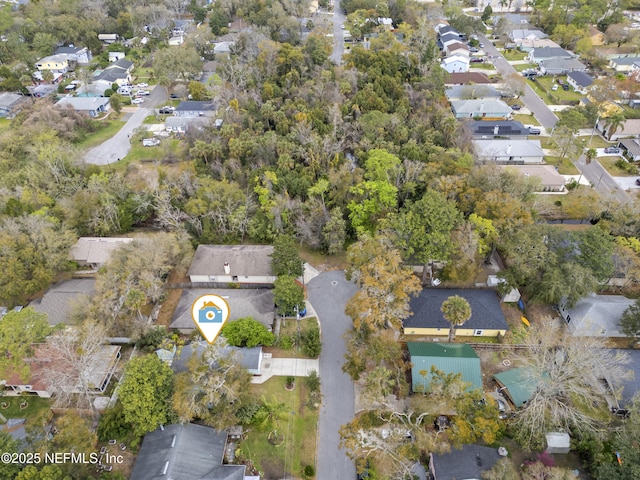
(538, 55)
(509, 151)
(92, 106)
(455, 63)
(232, 264)
(561, 66)
(481, 108)
(623, 64)
(580, 81)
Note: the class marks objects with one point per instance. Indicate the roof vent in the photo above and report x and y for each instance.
(227, 268)
(509, 149)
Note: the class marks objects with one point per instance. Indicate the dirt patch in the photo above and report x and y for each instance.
(172, 297)
(272, 469)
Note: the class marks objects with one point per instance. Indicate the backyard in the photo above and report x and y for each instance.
(32, 408)
(298, 427)
(106, 129)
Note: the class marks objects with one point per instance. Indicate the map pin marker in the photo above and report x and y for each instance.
(210, 312)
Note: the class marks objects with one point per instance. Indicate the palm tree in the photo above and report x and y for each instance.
(590, 154)
(613, 122)
(269, 414)
(456, 310)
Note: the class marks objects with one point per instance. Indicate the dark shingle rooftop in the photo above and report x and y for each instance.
(486, 313)
(506, 128)
(468, 462)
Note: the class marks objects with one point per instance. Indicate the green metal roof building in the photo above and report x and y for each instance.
(515, 385)
(445, 357)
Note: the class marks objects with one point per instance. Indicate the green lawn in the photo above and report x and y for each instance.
(106, 130)
(289, 328)
(144, 75)
(36, 408)
(596, 142)
(526, 119)
(522, 67)
(138, 153)
(609, 163)
(514, 55)
(299, 428)
(565, 166)
(550, 97)
(482, 66)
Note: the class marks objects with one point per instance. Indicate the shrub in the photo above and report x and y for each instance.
(313, 381)
(285, 342)
(311, 344)
(309, 471)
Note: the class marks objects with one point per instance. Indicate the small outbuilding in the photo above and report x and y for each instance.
(558, 442)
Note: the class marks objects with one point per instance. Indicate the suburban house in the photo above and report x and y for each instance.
(561, 66)
(443, 28)
(448, 358)
(223, 48)
(516, 20)
(55, 63)
(59, 301)
(447, 39)
(75, 55)
(631, 148)
(528, 44)
(549, 178)
(515, 151)
(95, 251)
(184, 124)
(596, 36)
(40, 91)
(538, 55)
(481, 108)
(629, 128)
(196, 108)
(100, 371)
(596, 315)
(108, 38)
(467, 78)
(456, 48)
(115, 56)
(519, 34)
(468, 92)
(487, 319)
(257, 303)
(456, 63)
(580, 81)
(623, 64)
(497, 128)
(9, 103)
(249, 264)
(93, 106)
(614, 52)
(466, 463)
(514, 385)
(186, 452)
(249, 358)
(118, 72)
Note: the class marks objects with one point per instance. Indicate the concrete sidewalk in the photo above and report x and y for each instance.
(285, 367)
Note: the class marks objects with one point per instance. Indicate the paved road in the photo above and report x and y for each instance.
(329, 293)
(338, 33)
(530, 98)
(601, 180)
(118, 146)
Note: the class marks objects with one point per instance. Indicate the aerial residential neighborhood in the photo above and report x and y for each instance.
(322, 240)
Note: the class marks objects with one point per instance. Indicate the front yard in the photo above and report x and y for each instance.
(298, 427)
(106, 129)
(543, 85)
(609, 163)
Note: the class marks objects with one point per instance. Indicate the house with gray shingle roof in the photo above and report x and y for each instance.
(505, 151)
(58, 302)
(185, 452)
(92, 106)
(487, 318)
(469, 92)
(95, 251)
(537, 55)
(448, 358)
(249, 358)
(580, 81)
(623, 64)
(560, 66)
(465, 463)
(481, 108)
(596, 315)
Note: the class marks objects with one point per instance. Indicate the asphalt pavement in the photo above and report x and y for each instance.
(118, 146)
(338, 33)
(601, 180)
(329, 293)
(530, 98)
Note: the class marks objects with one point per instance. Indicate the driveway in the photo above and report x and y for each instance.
(329, 293)
(530, 98)
(118, 146)
(338, 33)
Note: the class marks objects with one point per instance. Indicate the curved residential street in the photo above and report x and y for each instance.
(338, 33)
(329, 293)
(118, 146)
(530, 98)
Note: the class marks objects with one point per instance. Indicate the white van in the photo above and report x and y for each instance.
(124, 90)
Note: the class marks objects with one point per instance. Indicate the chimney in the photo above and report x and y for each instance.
(496, 129)
(227, 268)
(509, 149)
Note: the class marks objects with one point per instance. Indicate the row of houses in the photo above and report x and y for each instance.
(456, 52)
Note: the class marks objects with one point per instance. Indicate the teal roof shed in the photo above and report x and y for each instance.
(445, 357)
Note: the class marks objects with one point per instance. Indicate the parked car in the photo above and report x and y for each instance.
(474, 50)
(166, 110)
(554, 88)
(142, 93)
(476, 60)
(637, 181)
(481, 45)
(611, 150)
(534, 131)
(516, 107)
(142, 85)
(174, 95)
(565, 87)
(137, 101)
(560, 81)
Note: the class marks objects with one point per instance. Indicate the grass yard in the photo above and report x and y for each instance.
(609, 163)
(526, 119)
(144, 75)
(481, 66)
(550, 97)
(521, 67)
(106, 130)
(299, 428)
(514, 55)
(565, 166)
(289, 329)
(36, 408)
(138, 153)
(596, 142)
